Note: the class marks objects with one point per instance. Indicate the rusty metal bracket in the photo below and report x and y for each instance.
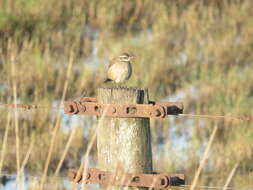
(90, 106)
(96, 176)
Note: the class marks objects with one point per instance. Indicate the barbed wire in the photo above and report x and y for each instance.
(30, 176)
(206, 116)
(215, 187)
(178, 187)
(29, 106)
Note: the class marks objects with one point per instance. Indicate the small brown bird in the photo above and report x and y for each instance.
(120, 68)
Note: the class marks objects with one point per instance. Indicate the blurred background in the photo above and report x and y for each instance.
(197, 52)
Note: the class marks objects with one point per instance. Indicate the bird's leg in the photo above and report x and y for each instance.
(117, 85)
(124, 84)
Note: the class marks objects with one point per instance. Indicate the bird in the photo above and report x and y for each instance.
(120, 69)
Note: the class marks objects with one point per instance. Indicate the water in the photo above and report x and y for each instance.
(168, 144)
(31, 182)
(8, 182)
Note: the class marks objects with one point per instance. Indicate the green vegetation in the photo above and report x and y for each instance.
(201, 49)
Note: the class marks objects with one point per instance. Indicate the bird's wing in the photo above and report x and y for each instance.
(110, 65)
(112, 62)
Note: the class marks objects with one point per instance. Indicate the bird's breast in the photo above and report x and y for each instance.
(120, 72)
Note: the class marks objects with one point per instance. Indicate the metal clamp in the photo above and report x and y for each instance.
(97, 176)
(90, 106)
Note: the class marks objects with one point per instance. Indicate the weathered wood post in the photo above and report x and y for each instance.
(124, 142)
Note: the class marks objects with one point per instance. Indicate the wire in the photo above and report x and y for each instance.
(181, 186)
(29, 106)
(245, 118)
(215, 187)
(203, 116)
(29, 176)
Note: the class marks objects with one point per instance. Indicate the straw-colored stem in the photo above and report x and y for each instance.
(25, 162)
(231, 174)
(49, 156)
(85, 164)
(65, 152)
(6, 132)
(202, 162)
(27, 156)
(14, 88)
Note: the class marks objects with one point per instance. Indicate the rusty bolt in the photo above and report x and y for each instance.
(114, 110)
(83, 107)
(97, 108)
(70, 108)
(164, 181)
(88, 175)
(157, 113)
(72, 174)
(102, 176)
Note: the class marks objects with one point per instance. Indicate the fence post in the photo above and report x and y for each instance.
(124, 142)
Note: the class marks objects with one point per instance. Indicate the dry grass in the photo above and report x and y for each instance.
(230, 177)
(199, 51)
(203, 160)
(4, 143)
(57, 123)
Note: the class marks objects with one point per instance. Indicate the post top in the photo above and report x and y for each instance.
(122, 95)
(125, 88)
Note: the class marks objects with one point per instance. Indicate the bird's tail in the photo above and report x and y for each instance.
(107, 80)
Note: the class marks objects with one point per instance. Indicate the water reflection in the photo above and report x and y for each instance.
(8, 182)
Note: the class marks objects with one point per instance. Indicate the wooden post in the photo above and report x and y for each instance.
(124, 142)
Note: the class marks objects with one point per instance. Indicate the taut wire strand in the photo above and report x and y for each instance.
(206, 116)
(212, 187)
(242, 118)
(37, 177)
(29, 106)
